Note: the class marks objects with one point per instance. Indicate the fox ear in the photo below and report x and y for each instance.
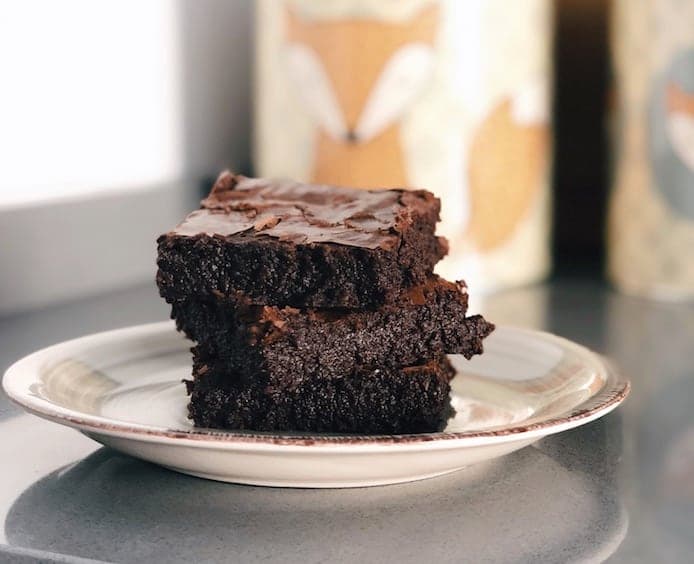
(293, 22)
(426, 22)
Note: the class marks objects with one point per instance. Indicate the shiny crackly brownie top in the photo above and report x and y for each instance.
(307, 213)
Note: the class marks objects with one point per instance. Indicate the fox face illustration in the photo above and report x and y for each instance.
(671, 134)
(506, 163)
(357, 78)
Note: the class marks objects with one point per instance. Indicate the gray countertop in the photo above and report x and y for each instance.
(619, 489)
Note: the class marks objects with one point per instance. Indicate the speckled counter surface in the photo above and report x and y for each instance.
(620, 489)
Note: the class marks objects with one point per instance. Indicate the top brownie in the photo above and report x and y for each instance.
(289, 244)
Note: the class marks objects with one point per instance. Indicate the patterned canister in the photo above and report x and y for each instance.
(448, 95)
(651, 229)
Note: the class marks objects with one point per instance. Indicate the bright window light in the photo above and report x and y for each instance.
(90, 97)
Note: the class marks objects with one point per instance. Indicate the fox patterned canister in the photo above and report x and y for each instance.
(448, 95)
(651, 235)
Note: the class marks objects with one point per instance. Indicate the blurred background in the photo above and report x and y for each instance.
(522, 117)
(117, 115)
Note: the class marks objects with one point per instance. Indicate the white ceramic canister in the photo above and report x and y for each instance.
(651, 222)
(449, 95)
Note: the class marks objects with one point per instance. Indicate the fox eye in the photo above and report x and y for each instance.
(313, 87)
(402, 79)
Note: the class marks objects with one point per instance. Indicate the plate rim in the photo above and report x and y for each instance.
(16, 386)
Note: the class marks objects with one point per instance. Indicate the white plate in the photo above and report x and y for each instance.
(123, 389)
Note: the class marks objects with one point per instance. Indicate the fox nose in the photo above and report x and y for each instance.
(351, 136)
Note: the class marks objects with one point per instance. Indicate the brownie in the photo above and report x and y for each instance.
(428, 322)
(289, 244)
(315, 308)
(383, 401)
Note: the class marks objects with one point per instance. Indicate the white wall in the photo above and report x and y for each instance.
(106, 106)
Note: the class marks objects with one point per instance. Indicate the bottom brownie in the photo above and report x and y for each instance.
(393, 401)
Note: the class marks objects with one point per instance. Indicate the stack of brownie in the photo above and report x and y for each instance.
(314, 308)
